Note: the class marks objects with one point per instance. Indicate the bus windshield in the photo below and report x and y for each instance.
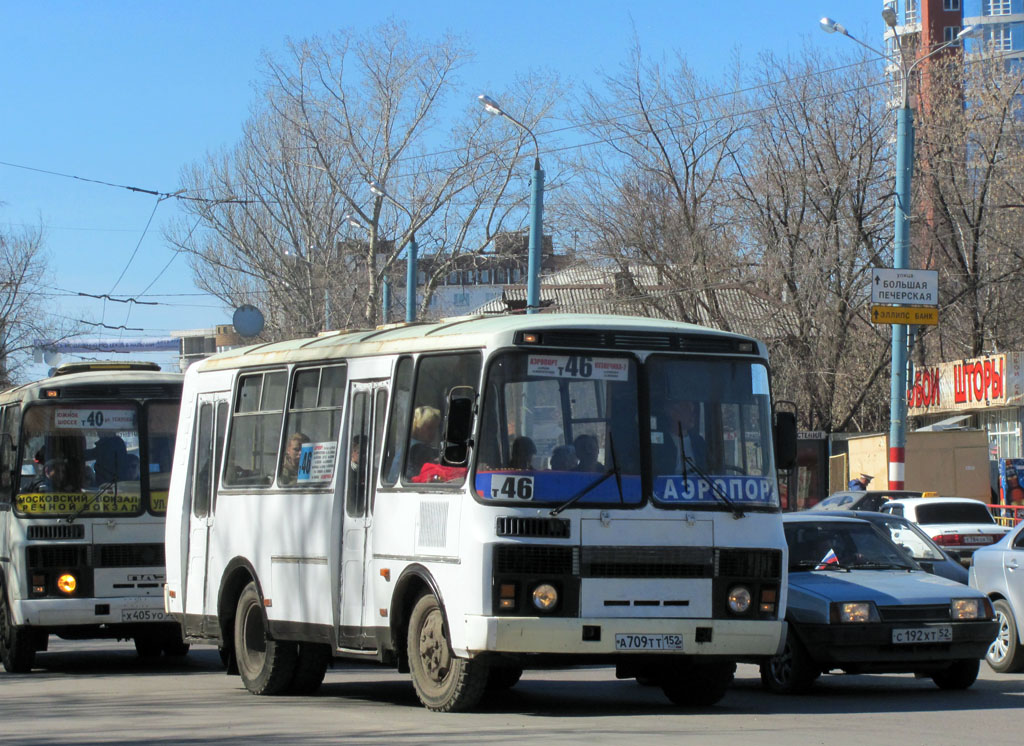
(80, 459)
(711, 435)
(553, 425)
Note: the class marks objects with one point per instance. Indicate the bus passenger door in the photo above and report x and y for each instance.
(361, 459)
(207, 450)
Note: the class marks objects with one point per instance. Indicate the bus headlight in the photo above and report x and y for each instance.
(67, 583)
(739, 599)
(545, 597)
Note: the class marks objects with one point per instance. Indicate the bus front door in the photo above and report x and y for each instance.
(207, 449)
(367, 407)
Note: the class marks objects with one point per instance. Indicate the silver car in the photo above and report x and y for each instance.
(998, 571)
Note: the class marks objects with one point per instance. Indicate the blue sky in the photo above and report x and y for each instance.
(130, 92)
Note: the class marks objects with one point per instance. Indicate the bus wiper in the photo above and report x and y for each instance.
(103, 490)
(615, 468)
(737, 511)
(583, 492)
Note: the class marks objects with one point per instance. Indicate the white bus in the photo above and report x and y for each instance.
(469, 498)
(85, 463)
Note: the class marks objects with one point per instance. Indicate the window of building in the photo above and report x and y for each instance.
(949, 33)
(255, 429)
(951, 4)
(1003, 428)
(999, 38)
(996, 8)
(910, 13)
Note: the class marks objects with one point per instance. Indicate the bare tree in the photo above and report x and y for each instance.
(337, 114)
(969, 214)
(24, 318)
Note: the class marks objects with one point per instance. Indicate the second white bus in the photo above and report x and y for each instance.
(469, 498)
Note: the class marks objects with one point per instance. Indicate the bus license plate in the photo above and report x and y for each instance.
(648, 642)
(143, 615)
(943, 633)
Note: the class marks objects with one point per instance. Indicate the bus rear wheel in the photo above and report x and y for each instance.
(17, 647)
(443, 681)
(266, 666)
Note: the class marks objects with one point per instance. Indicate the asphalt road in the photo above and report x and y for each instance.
(100, 692)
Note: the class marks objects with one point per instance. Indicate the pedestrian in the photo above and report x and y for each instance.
(860, 484)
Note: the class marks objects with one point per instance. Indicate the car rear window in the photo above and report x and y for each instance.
(954, 513)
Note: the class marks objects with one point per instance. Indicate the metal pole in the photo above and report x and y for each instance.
(411, 276)
(536, 238)
(900, 260)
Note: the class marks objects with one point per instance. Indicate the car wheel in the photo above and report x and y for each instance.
(792, 672)
(958, 676)
(443, 681)
(1005, 654)
(266, 666)
(700, 684)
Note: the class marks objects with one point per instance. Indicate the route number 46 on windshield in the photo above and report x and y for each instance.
(579, 366)
(505, 487)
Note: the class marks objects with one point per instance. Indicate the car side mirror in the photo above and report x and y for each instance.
(785, 440)
(458, 425)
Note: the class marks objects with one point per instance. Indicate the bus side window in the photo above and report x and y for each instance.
(255, 429)
(204, 462)
(398, 427)
(8, 436)
(358, 433)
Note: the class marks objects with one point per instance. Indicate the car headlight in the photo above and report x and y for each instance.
(968, 608)
(67, 583)
(739, 599)
(854, 612)
(545, 597)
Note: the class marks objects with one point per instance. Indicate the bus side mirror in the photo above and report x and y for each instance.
(458, 425)
(785, 440)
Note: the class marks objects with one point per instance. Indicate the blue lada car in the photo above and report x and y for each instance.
(859, 604)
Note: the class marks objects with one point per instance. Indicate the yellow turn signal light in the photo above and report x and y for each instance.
(67, 583)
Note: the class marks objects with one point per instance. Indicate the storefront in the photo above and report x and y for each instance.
(986, 393)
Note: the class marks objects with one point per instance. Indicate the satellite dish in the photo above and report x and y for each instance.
(51, 357)
(247, 320)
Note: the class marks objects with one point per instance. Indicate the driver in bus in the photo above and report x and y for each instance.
(57, 477)
(682, 421)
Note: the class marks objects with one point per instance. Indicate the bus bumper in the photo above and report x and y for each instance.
(739, 639)
(70, 612)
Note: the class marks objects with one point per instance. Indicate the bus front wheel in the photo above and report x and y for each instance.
(266, 666)
(17, 648)
(443, 681)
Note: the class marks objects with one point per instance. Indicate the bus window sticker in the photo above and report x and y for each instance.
(578, 367)
(99, 419)
(316, 462)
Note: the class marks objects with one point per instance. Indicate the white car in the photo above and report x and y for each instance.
(960, 525)
(998, 572)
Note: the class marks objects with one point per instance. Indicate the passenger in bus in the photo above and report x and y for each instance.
(523, 451)
(668, 456)
(290, 459)
(563, 458)
(111, 459)
(426, 426)
(586, 451)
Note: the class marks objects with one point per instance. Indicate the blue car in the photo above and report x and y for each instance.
(859, 604)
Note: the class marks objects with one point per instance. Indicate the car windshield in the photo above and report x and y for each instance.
(80, 459)
(839, 546)
(710, 432)
(553, 425)
(954, 513)
(911, 539)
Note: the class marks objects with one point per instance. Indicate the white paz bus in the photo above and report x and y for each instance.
(85, 464)
(469, 498)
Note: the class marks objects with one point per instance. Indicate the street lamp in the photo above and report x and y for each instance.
(410, 261)
(901, 243)
(327, 295)
(536, 209)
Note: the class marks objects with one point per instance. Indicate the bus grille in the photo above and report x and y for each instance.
(533, 559)
(756, 564)
(543, 528)
(56, 557)
(57, 531)
(646, 562)
(129, 555)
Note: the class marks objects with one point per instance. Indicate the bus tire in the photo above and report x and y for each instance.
(266, 666)
(500, 678)
(17, 646)
(443, 681)
(699, 684)
(310, 668)
(175, 647)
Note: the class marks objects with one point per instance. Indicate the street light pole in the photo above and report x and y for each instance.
(411, 274)
(536, 209)
(901, 232)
